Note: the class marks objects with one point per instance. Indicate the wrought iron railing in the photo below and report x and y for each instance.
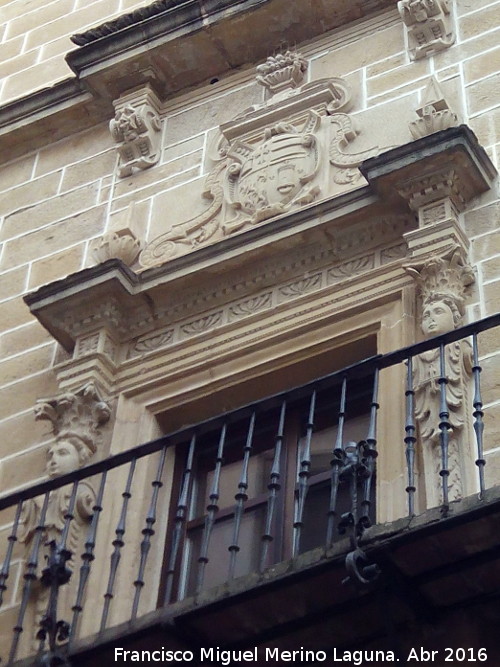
(299, 441)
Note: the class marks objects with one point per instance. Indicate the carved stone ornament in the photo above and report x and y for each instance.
(122, 246)
(76, 419)
(77, 415)
(272, 159)
(284, 71)
(136, 128)
(434, 114)
(429, 26)
(442, 284)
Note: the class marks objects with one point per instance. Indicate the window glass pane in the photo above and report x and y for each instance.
(217, 568)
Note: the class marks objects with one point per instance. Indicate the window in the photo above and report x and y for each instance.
(260, 483)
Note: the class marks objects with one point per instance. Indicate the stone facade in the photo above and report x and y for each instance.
(74, 194)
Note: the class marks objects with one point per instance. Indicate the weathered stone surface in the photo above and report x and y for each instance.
(13, 282)
(482, 220)
(24, 338)
(491, 302)
(78, 147)
(53, 237)
(22, 395)
(482, 65)
(485, 246)
(478, 22)
(17, 172)
(24, 196)
(13, 313)
(56, 266)
(88, 170)
(26, 364)
(50, 210)
(340, 61)
(482, 95)
(491, 269)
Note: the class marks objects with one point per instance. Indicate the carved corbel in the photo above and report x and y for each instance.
(435, 113)
(429, 26)
(136, 128)
(437, 199)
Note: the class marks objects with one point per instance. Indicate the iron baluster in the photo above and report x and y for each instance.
(241, 497)
(180, 518)
(118, 544)
(273, 487)
(410, 437)
(370, 455)
(55, 575)
(212, 509)
(336, 464)
(478, 414)
(148, 532)
(12, 539)
(444, 424)
(87, 557)
(29, 577)
(303, 473)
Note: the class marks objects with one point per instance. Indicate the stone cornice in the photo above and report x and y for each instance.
(128, 306)
(153, 45)
(405, 168)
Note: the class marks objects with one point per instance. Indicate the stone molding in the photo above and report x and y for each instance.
(136, 128)
(429, 26)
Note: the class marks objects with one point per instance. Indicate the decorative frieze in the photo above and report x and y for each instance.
(136, 128)
(429, 26)
(435, 113)
(351, 268)
(247, 307)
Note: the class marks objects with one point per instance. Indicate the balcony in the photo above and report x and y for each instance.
(260, 529)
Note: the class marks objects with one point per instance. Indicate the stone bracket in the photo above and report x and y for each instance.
(429, 26)
(136, 128)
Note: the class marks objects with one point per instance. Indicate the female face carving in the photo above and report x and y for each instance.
(437, 318)
(62, 458)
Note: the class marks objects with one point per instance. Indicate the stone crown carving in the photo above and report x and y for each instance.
(429, 26)
(283, 71)
(77, 414)
(136, 129)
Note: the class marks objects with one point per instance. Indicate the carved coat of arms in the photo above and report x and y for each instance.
(270, 177)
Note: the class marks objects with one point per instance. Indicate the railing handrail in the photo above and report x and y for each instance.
(358, 369)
